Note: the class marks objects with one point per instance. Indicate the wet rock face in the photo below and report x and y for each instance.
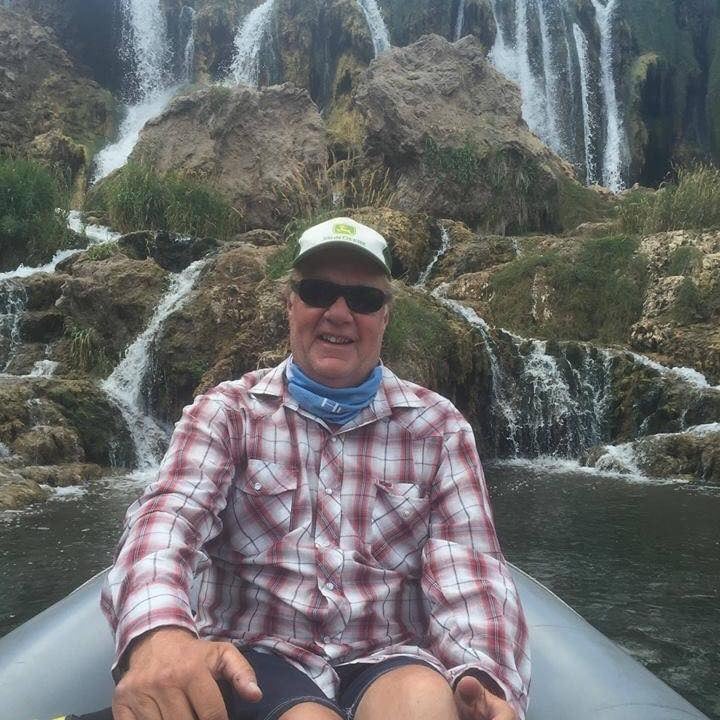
(48, 421)
(87, 29)
(449, 128)
(258, 147)
(233, 322)
(112, 298)
(42, 90)
(17, 492)
(171, 252)
(680, 321)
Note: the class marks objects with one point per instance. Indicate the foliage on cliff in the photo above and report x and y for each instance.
(32, 221)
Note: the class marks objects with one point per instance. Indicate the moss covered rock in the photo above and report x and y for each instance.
(43, 90)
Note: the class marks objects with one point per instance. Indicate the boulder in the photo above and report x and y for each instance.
(107, 303)
(449, 128)
(43, 91)
(171, 252)
(48, 445)
(232, 321)
(61, 475)
(65, 158)
(680, 321)
(262, 149)
(17, 492)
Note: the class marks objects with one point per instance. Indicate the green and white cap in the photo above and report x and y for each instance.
(343, 232)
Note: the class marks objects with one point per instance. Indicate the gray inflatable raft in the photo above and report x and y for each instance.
(58, 663)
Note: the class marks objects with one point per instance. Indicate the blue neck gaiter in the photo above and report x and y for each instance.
(334, 405)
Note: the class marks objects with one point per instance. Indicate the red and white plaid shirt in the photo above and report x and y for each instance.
(396, 555)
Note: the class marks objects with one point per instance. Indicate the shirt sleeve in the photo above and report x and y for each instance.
(161, 547)
(476, 621)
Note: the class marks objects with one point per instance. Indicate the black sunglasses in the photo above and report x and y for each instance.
(362, 299)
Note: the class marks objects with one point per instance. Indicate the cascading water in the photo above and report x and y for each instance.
(13, 298)
(589, 120)
(444, 246)
(249, 41)
(187, 32)
(146, 49)
(538, 46)
(124, 385)
(614, 142)
(376, 25)
(460, 21)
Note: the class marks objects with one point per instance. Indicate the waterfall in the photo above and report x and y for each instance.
(94, 234)
(376, 25)
(589, 121)
(536, 54)
(249, 40)
(124, 385)
(187, 26)
(555, 90)
(13, 298)
(444, 245)
(503, 409)
(460, 20)
(145, 45)
(613, 152)
(146, 49)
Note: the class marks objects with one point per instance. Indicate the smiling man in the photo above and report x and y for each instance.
(337, 523)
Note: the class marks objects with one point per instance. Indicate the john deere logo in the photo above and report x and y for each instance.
(344, 229)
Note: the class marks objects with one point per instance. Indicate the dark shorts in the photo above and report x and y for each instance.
(284, 686)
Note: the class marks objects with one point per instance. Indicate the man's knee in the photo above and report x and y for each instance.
(309, 711)
(408, 691)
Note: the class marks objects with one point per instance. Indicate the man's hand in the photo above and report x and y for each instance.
(172, 676)
(474, 702)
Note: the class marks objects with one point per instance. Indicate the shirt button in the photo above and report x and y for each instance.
(328, 491)
(330, 586)
(334, 439)
(327, 639)
(406, 513)
(257, 486)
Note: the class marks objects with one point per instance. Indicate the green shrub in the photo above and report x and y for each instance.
(33, 212)
(692, 202)
(684, 260)
(596, 291)
(102, 251)
(689, 306)
(85, 350)
(138, 198)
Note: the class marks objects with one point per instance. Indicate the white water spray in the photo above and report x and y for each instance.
(187, 21)
(614, 140)
(249, 41)
(146, 48)
(124, 385)
(460, 21)
(376, 25)
(444, 245)
(589, 121)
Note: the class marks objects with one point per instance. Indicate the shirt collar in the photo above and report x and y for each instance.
(393, 393)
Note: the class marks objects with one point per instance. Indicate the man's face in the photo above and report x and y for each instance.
(335, 346)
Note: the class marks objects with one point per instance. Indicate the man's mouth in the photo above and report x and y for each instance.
(336, 339)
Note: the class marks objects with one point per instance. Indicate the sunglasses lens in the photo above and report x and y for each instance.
(323, 293)
(364, 299)
(318, 293)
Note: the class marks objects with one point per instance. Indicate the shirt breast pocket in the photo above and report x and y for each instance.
(400, 526)
(261, 507)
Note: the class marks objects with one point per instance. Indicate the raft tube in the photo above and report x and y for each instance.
(58, 663)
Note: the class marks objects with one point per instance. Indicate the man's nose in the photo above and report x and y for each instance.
(339, 311)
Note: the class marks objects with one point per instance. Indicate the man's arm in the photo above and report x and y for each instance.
(167, 670)
(475, 620)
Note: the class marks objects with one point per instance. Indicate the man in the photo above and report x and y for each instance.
(339, 523)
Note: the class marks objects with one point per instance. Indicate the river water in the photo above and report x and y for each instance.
(639, 560)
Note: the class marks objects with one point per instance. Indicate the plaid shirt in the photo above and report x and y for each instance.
(396, 555)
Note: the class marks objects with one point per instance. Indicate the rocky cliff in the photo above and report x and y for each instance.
(42, 90)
